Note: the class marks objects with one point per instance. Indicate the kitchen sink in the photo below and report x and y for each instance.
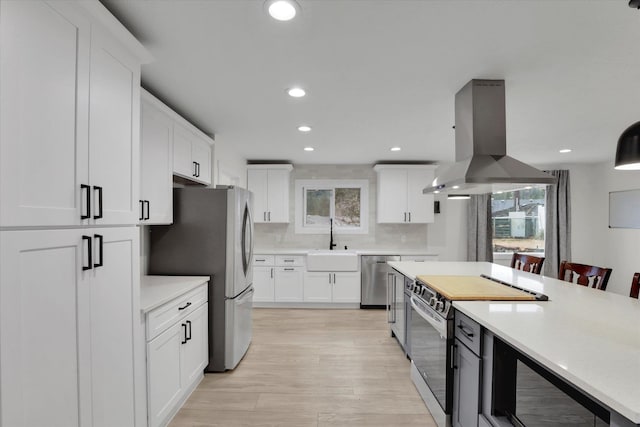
(337, 260)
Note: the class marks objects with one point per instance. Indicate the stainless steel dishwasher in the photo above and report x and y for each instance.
(374, 280)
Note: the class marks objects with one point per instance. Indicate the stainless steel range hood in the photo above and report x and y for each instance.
(482, 164)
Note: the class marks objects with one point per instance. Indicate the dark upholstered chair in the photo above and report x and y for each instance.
(585, 275)
(530, 263)
(635, 286)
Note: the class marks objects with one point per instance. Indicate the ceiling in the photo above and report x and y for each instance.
(381, 73)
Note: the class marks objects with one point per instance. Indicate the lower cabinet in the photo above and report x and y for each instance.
(263, 284)
(67, 305)
(288, 284)
(466, 373)
(332, 287)
(176, 358)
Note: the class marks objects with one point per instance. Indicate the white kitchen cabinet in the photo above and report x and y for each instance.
(177, 352)
(399, 196)
(79, 309)
(263, 284)
(270, 187)
(69, 117)
(332, 287)
(191, 153)
(288, 284)
(318, 286)
(156, 196)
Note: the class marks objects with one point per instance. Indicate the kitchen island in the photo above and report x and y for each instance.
(588, 338)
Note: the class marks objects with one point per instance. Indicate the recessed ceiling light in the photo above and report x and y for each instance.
(528, 187)
(395, 149)
(282, 10)
(458, 196)
(455, 187)
(308, 148)
(565, 150)
(296, 92)
(498, 192)
(304, 128)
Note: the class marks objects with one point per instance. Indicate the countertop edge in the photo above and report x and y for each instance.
(357, 251)
(158, 290)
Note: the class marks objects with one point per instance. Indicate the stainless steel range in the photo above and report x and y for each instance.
(431, 340)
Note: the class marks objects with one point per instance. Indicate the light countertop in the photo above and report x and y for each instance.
(157, 290)
(589, 337)
(357, 251)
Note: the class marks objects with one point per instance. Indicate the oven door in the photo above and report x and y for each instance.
(431, 342)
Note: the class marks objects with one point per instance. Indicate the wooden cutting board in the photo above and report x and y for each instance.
(466, 288)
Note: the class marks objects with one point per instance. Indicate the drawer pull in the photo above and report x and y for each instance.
(186, 305)
(464, 331)
(288, 269)
(261, 260)
(289, 260)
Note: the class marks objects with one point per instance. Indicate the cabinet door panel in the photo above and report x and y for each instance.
(263, 284)
(257, 183)
(39, 329)
(157, 164)
(44, 63)
(278, 196)
(288, 284)
(194, 352)
(392, 196)
(317, 287)
(163, 373)
(114, 131)
(466, 387)
(201, 153)
(182, 160)
(113, 303)
(419, 205)
(346, 287)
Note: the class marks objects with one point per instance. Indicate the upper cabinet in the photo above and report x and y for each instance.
(69, 114)
(156, 196)
(191, 153)
(270, 187)
(399, 195)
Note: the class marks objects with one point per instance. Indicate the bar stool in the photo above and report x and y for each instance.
(585, 274)
(530, 263)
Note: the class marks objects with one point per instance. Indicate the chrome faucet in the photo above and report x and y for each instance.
(331, 244)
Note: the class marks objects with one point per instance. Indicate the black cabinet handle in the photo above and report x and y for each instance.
(288, 269)
(468, 334)
(90, 256)
(95, 187)
(88, 201)
(272, 273)
(184, 326)
(197, 169)
(189, 323)
(148, 209)
(269, 215)
(141, 210)
(453, 357)
(405, 217)
(100, 239)
(409, 216)
(194, 169)
(186, 305)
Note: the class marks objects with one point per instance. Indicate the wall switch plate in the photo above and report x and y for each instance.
(436, 206)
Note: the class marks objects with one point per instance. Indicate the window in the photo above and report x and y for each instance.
(318, 201)
(518, 220)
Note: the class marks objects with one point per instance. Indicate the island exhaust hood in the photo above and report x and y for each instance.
(482, 164)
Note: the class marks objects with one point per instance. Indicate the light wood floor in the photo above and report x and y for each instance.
(312, 368)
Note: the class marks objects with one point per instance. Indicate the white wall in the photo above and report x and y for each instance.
(229, 167)
(448, 234)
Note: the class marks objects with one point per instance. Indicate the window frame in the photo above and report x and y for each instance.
(300, 188)
(509, 255)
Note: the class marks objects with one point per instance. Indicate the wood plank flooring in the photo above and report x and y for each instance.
(312, 368)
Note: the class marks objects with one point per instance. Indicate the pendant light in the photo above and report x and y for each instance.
(628, 151)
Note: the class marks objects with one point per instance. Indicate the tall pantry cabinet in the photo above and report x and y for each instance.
(69, 248)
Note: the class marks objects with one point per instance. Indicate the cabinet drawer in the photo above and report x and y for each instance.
(290, 260)
(161, 318)
(268, 260)
(468, 332)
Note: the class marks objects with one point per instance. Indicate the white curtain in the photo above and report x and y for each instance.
(557, 239)
(480, 229)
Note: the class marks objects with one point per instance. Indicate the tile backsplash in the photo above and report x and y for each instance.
(380, 236)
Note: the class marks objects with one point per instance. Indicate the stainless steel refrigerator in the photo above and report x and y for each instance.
(212, 235)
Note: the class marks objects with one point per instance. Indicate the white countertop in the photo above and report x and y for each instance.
(157, 290)
(589, 337)
(357, 251)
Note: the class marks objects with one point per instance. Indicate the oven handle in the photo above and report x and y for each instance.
(440, 327)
